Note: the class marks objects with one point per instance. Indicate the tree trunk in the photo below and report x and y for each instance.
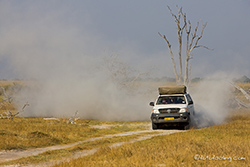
(190, 45)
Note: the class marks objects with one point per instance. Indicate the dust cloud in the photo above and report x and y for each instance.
(57, 51)
(64, 62)
(96, 93)
(211, 97)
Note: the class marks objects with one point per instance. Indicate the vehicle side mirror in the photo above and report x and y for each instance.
(191, 102)
(151, 104)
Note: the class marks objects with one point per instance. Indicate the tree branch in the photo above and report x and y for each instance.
(197, 40)
(171, 54)
(204, 47)
(194, 36)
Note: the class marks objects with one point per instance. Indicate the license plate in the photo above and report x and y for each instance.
(169, 118)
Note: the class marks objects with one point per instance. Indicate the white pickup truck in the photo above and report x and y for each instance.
(173, 107)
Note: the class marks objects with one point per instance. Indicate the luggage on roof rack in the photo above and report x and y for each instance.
(180, 89)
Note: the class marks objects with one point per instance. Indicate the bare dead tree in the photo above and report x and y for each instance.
(10, 115)
(73, 119)
(8, 100)
(6, 96)
(191, 44)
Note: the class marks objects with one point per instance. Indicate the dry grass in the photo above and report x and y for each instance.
(245, 86)
(4, 83)
(218, 145)
(221, 145)
(65, 153)
(24, 133)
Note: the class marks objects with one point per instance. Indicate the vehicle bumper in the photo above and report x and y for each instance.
(176, 118)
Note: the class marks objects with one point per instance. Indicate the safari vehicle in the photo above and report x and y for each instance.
(173, 107)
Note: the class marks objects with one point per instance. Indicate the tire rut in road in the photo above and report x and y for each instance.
(13, 155)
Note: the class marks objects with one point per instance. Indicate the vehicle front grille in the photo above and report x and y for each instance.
(169, 110)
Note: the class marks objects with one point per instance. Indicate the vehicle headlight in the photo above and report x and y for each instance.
(155, 111)
(183, 110)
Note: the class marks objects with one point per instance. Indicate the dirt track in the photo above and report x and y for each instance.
(13, 155)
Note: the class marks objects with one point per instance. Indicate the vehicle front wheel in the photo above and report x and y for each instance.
(186, 127)
(154, 126)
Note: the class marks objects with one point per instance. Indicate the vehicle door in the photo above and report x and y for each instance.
(190, 107)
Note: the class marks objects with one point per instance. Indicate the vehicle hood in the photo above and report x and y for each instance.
(170, 106)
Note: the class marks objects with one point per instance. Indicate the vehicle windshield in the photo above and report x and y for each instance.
(171, 100)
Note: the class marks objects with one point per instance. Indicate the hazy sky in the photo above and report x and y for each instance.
(37, 35)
